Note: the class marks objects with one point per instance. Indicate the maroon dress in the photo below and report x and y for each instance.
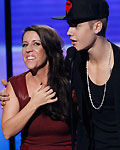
(40, 132)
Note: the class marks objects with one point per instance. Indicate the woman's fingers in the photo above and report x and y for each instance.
(50, 91)
(43, 95)
(39, 88)
(51, 95)
(47, 88)
(52, 100)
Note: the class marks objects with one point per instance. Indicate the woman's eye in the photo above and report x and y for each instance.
(24, 45)
(36, 43)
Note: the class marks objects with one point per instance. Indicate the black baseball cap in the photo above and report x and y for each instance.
(85, 10)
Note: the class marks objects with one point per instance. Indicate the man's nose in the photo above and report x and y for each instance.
(70, 31)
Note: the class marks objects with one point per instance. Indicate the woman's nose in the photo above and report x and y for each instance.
(29, 48)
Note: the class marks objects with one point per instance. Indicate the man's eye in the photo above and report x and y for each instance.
(24, 45)
(78, 25)
(36, 43)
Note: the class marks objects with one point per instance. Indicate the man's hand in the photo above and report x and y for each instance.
(4, 96)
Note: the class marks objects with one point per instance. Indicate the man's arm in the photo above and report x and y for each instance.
(4, 96)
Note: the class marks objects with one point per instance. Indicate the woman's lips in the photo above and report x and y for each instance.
(31, 58)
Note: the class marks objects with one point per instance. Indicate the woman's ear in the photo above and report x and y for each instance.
(97, 27)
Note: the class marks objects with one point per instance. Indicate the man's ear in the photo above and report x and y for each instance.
(97, 27)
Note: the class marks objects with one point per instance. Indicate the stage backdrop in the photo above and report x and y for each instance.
(4, 145)
(28, 12)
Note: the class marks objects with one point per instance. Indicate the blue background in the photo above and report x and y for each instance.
(28, 12)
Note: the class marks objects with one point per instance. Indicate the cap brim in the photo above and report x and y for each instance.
(60, 18)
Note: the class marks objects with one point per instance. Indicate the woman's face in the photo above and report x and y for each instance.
(33, 53)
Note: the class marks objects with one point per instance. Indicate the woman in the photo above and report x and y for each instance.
(38, 105)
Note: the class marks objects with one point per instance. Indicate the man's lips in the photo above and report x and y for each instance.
(74, 42)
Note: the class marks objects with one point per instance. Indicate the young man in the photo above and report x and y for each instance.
(96, 75)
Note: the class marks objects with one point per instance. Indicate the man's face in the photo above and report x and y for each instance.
(81, 35)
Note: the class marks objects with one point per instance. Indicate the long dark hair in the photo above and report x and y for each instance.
(57, 75)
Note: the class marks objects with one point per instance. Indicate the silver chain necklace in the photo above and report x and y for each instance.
(104, 93)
